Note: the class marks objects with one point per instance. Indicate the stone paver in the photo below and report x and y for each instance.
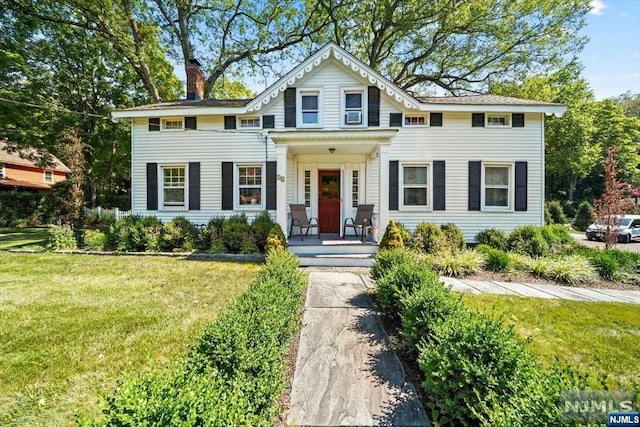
(525, 290)
(458, 285)
(346, 372)
(488, 287)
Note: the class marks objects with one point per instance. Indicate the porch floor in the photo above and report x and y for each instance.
(330, 239)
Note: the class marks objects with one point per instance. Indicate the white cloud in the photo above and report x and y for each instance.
(597, 7)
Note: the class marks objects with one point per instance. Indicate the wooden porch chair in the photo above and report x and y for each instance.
(299, 219)
(362, 221)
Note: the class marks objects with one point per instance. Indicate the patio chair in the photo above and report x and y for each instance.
(299, 219)
(362, 221)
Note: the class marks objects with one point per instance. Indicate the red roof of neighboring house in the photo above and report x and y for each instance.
(14, 183)
(22, 158)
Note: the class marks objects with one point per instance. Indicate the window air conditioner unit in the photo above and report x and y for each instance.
(354, 117)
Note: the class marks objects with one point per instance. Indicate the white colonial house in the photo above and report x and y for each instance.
(333, 134)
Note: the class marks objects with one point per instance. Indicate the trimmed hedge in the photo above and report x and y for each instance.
(234, 375)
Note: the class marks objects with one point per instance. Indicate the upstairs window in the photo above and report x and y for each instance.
(415, 121)
(498, 120)
(172, 124)
(309, 101)
(48, 177)
(353, 108)
(248, 123)
(3, 171)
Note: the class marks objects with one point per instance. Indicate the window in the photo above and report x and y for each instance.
(172, 124)
(498, 120)
(309, 101)
(3, 171)
(496, 186)
(48, 177)
(355, 187)
(250, 186)
(307, 188)
(353, 108)
(173, 186)
(415, 184)
(415, 121)
(253, 122)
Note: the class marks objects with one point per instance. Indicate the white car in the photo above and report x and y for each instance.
(628, 227)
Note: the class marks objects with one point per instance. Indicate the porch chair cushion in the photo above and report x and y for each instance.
(362, 221)
(299, 219)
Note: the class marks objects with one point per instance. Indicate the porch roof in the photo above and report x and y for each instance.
(343, 141)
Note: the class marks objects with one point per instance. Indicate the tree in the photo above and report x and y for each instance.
(630, 103)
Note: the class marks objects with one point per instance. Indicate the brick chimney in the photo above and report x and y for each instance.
(195, 80)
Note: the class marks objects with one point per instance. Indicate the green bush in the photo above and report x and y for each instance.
(211, 232)
(94, 240)
(556, 236)
(493, 237)
(528, 240)
(260, 228)
(234, 374)
(456, 263)
(217, 246)
(407, 240)
(276, 239)
(392, 237)
(472, 356)
(496, 260)
(63, 238)
(571, 269)
(454, 236)
(584, 216)
(428, 238)
(569, 209)
(386, 259)
(556, 212)
(249, 246)
(613, 264)
(234, 231)
(179, 234)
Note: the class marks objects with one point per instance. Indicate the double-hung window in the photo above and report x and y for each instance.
(250, 122)
(250, 186)
(353, 107)
(173, 186)
(497, 186)
(172, 124)
(498, 120)
(415, 185)
(48, 177)
(3, 171)
(309, 102)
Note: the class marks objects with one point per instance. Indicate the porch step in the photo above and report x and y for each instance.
(336, 260)
(327, 248)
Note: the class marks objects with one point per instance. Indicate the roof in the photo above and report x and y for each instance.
(188, 103)
(13, 183)
(482, 100)
(21, 158)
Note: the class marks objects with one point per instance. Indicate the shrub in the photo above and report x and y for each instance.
(456, 263)
(528, 240)
(407, 240)
(94, 240)
(493, 237)
(211, 232)
(276, 239)
(584, 216)
(569, 209)
(496, 260)
(234, 231)
(556, 236)
(454, 236)
(260, 228)
(217, 246)
(428, 238)
(249, 246)
(135, 234)
(572, 269)
(386, 259)
(556, 212)
(63, 238)
(179, 233)
(471, 356)
(392, 238)
(612, 264)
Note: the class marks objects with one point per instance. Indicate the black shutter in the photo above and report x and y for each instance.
(373, 101)
(475, 175)
(154, 123)
(227, 186)
(477, 120)
(268, 122)
(229, 122)
(194, 186)
(393, 185)
(439, 189)
(521, 186)
(395, 119)
(290, 107)
(190, 123)
(517, 120)
(435, 119)
(152, 186)
(271, 185)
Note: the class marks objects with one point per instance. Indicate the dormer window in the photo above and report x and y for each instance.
(498, 120)
(353, 102)
(3, 171)
(172, 124)
(248, 123)
(309, 101)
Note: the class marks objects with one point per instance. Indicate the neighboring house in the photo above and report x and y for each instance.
(332, 134)
(19, 171)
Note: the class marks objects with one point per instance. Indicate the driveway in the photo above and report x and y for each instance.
(631, 247)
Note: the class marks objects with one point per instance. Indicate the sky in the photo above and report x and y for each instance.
(611, 58)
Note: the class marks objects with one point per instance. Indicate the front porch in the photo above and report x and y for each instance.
(333, 251)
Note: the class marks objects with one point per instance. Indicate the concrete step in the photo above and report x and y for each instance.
(336, 260)
(329, 249)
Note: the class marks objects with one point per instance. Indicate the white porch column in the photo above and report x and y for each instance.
(383, 186)
(281, 187)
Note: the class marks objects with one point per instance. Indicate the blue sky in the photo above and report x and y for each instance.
(611, 58)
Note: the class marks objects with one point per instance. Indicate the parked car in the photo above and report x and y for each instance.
(628, 227)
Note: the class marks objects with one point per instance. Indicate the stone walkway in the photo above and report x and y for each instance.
(346, 372)
(542, 291)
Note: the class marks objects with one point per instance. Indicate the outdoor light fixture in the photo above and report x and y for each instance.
(332, 150)
(280, 178)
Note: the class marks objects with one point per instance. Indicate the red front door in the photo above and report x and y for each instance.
(329, 201)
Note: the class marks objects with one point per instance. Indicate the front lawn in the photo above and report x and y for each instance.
(73, 324)
(601, 338)
(13, 238)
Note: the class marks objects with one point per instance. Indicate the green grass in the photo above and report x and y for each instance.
(13, 238)
(599, 338)
(73, 324)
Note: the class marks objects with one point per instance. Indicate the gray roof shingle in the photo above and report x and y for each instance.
(201, 103)
(480, 100)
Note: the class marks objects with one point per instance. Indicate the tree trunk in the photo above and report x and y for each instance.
(573, 180)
